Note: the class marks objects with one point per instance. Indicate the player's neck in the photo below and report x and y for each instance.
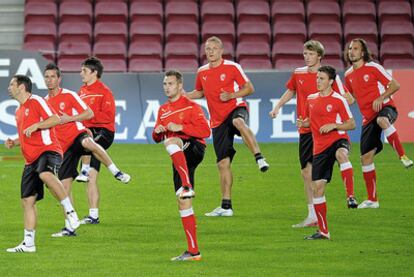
(216, 63)
(314, 68)
(175, 98)
(91, 82)
(326, 92)
(358, 64)
(22, 98)
(54, 92)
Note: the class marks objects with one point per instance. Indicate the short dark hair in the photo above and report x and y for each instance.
(23, 80)
(52, 66)
(366, 56)
(178, 75)
(94, 64)
(329, 70)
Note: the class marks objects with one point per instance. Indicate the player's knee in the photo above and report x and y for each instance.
(224, 164)
(341, 155)
(238, 123)
(172, 141)
(88, 144)
(46, 176)
(383, 122)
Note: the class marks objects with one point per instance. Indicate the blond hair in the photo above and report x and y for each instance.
(314, 45)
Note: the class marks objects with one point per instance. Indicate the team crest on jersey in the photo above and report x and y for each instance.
(329, 108)
(222, 77)
(366, 77)
(62, 106)
(26, 112)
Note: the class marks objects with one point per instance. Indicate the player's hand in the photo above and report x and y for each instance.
(226, 96)
(160, 129)
(173, 127)
(64, 118)
(30, 130)
(274, 113)
(299, 122)
(327, 128)
(9, 143)
(377, 104)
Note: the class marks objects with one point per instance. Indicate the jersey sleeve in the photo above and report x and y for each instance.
(198, 126)
(291, 83)
(44, 109)
(78, 103)
(239, 76)
(382, 75)
(344, 110)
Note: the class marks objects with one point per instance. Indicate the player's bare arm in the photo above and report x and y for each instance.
(300, 122)
(346, 126)
(349, 98)
(392, 88)
(85, 115)
(282, 101)
(174, 127)
(245, 90)
(45, 124)
(10, 143)
(195, 94)
(160, 129)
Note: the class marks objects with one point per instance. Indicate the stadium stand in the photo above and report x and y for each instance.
(144, 35)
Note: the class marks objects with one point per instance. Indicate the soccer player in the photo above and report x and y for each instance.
(72, 134)
(224, 83)
(43, 156)
(302, 83)
(373, 87)
(182, 127)
(329, 117)
(101, 100)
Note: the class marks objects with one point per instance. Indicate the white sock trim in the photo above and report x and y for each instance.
(94, 212)
(188, 212)
(311, 211)
(172, 149)
(345, 166)
(67, 205)
(29, 237)
(319, 200)
(113, 168)
(389, 131)
(368, 168)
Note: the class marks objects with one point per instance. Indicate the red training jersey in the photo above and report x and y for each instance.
(67, 102)
(229, 77)
(184, 112)
(322, 110)
(35, 110)
(101, 101)
(303, 82)
(367, 83)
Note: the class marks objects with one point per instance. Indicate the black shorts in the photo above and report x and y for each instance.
(305, 149)
(323, 162)
(104, 138)
(71, 158)
(223, 135)
(371, 133)
(31, 183)
(194, 154)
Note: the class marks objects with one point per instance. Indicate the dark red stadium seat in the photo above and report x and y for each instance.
(111, 49)
(40, 31)
(113, 64)
(397, 30)
(75, 12)
(395, 11)
(145, 64)
(355, 29)
(46, 48)
(397, 63)
(323, 11)
(397, 49)
(40, 1)
(181, 31)
(287, 49)
(74, 48)
(183, 11)
(71, 64)
(253, 11)
(252, 49)
(254, 31)
(325, 31)
(288, 63)
(292, 1)
(223, 29)
(182, 64)
(113, 1)
(113, 11)
(181, 49)
(146, 11)
(146, 31)
(67, 1)
(228, 52)
(359, 11)
(75, 31)
(288, 11)
(168, 1)
(217, 11)
(40, 12)
(336, 63)
(145, 1)
(289, 31)
(256, 63)
(107, 31)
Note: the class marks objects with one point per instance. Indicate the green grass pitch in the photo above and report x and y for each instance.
(140, 228)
